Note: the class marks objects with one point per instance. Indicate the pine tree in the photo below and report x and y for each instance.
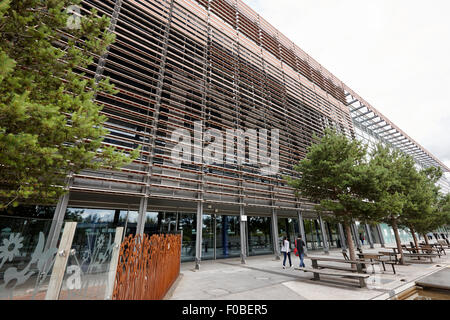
(393, 175)
(421, 209)
(49, 123)
(333, 175)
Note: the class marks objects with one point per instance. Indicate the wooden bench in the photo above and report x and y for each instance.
(345, 271)
(421, 255)
(392, 263)
(428, 249)
(390, 254)
(360, 264)
(317, 272)
(444, 244)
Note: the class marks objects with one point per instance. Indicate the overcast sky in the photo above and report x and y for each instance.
(393, 53)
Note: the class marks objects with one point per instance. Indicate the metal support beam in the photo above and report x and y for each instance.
(374, 117)
(375, 123)
(301, 227)
(342, 237)
(369, 236)
(142, 215)
(326, 247)
(386, 130)
(58, 218)
(356, 236)
(243, 233)
(276, 243)
(353, 110)
(198, 238)
(380, 235)
(362, 115)
(352, 102)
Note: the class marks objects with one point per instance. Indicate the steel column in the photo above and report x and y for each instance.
(369, 235)
(142, 215)
(243, 234)
(301, 226)
(326, 247)
(58, 217)
(276, 244)
(380, 234)
(356, 236)
(198, 238)
(342, 237)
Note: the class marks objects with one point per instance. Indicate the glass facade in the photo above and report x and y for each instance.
(332, 234)
(313, 234)
(221, 237)
(389, 237)
(228, 243)
(259, 235)
(288, 227)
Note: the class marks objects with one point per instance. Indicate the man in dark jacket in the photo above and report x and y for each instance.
(300, 245)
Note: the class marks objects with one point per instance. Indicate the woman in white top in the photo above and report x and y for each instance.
(286, 249)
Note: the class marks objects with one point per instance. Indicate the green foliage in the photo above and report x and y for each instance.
(421, 209)
(49, 124)
(402, 194)
(391, 174)
(333, 174)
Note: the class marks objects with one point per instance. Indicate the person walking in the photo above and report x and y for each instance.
(300, 246)
(287, 252)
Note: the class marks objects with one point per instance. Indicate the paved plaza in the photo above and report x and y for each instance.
(263, 278)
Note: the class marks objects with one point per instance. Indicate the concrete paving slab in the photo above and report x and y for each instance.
(439, 280)
(263, 278)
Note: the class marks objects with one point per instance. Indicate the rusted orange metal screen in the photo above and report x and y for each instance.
(147, 267)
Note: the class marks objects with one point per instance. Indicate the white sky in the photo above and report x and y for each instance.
(395, 54)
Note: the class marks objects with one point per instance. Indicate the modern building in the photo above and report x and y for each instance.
(216, 65)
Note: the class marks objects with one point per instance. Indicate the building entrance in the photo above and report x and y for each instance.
(259, 235)
(221, 238)
(289, 228)
(313, 234)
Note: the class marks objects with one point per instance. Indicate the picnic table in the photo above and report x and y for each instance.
(425, 249)
(421, 255)
(437, 246)
(357, 273)
(377, 257)
(443, 244)
(395, 249)
(390, 254)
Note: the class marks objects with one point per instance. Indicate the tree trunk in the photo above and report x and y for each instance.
(416, 243)
(350, 245)
(426, 239)
(397, 240)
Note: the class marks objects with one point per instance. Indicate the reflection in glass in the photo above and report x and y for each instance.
(187, 224)
(259, 235)
(208, 235)
(333, 234)
(228, 243)
(313, 234)
(288, 227)
(25, 265)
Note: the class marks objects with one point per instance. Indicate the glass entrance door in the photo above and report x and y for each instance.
(209, 237)
(288, 227)
(333, 235)
(313, 234)
(259, 236)
(228, 243)
(220, 237)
